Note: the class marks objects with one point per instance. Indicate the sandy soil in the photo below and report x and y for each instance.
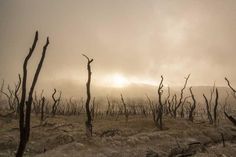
(63, 136)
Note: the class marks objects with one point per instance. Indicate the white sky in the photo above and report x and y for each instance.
(136, 40)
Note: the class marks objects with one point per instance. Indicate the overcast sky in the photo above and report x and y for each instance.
(137, 39)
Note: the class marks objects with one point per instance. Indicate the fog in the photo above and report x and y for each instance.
(135, 39)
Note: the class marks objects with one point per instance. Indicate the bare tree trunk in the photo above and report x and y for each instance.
(1, 90)
(208, 110)
(181, 97)
(42, 110)
(126, 112)
(215, 107)
(56, 102)
(192, 107)
(159, 109)
(88, 123)
(232, 119)
(152, 108)
(223, 139)
(233, 90)
(9, 98)
(93, 110)
(24, 121)
(108, 107)
(16, 96)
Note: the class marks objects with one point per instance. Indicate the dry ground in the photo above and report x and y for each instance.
(63, 136)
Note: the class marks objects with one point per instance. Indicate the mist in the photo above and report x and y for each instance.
(139, 40)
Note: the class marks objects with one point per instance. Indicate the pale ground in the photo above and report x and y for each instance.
(63, 136)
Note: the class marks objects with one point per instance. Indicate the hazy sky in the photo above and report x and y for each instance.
(134, 41)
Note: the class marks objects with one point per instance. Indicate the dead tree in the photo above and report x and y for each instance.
(215, 107)
(126, 112)
(88, 123)
(1, 90)
(72, 107)
(42, 110)
(159, 108)
(182, 107)
(233, 90)
(192, 107)
(17, 88)
(152, 108)
(56, 102)
(181, 97)
(142, 110)
(37, 103)
(211, 96)
(10, 97)
(93, 110)
(108, 112)
(208, 110)
(166, 102)
(25, 105)
(172, 104)
(80, 109)
(226, 102)
(232, 119)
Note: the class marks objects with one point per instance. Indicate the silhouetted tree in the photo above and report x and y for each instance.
(208, 103)
(12, 96)
(232, 119)
(182, 107)
(159, 108)
(181, 97)
(208, 110)
(93, 109)
(56, 102)
(17, 88)
(42, 110)
(25, 105)
(88, 123)
(166, 102)
(233, 90)
(1, 89)
(193, 106)
(126, 112)
(108, 112)
(152, 108)
(37, 102)
(215, 107)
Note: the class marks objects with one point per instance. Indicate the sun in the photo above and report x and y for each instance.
(118, 80)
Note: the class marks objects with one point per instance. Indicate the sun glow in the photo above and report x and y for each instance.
(119, 81)
(115, 80)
